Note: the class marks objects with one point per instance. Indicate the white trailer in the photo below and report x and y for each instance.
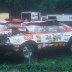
(64, 18)
(60, 17)
(31, 16)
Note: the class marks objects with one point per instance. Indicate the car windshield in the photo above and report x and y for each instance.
(44, 28)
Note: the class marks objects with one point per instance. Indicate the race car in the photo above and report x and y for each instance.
(40, 35)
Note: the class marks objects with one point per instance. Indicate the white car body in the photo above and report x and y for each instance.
(36, 35)
(46, 39)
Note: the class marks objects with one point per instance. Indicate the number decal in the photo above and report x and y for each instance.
(48, 37)
(56, 37)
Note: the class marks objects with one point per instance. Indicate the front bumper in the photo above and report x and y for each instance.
(6, 48)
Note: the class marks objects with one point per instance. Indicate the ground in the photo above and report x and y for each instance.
(54, 62)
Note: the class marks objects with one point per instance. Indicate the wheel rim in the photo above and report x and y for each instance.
(27, 52)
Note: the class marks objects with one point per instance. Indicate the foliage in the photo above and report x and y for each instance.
(44, 6)
(57, 63)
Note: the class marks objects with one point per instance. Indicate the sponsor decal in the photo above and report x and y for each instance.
(28, 37)
(38, 38)
(16, 39)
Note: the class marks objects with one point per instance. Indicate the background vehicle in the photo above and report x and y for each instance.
(31, 16)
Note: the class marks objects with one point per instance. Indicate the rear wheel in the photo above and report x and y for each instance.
(71, 48)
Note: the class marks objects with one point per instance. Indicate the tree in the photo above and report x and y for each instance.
(44, 6)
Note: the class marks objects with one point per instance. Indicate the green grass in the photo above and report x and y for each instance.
(58, 63)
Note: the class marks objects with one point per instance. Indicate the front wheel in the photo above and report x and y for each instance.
(29, 50)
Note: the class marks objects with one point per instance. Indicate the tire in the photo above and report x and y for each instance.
(69, 45)
(28, 50)
(71, 48)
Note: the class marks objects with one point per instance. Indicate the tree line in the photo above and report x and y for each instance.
(44, 6)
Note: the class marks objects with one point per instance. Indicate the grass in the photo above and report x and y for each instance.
(52, 63)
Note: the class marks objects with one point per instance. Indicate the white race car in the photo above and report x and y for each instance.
(41, 35)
